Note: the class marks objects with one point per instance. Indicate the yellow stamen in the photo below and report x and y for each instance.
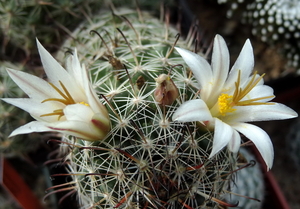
(67, 97)
(67, 100)
(58, 112)
(83, 103)
(226, 102)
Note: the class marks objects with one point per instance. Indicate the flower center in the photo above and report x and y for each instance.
(226, 103)
(66, 100)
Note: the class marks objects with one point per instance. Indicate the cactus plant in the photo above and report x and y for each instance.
(249, 185)
(23, 20)
(274, 22)
(293, 144)
(147, 159)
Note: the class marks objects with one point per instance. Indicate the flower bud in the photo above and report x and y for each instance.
(166, 91)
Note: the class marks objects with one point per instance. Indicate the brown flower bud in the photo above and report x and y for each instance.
(166, 91)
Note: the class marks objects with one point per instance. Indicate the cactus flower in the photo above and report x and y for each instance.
(228, 100)
(66, 103)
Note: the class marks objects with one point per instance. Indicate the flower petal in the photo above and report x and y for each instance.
(220, 64)
(78, 112)
(81, 129)
(91, 95)
(53, 69)
(55, 73)
(200, 68)
(274, 111)
(80, 73)
(75, 70)
(222, 136)
(235, 142)
(259, 92)
(260, 139)
(35, 107)
(244, 64)
(33, 86)
(31, 127)
(193, 110)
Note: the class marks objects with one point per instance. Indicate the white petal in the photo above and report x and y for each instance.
(35, 108)
(101, 121)
(80, 76)
(81, 129)
(33, 86)
(260, 139)
(244, 63)
(199, 66)
(259, 92)
(55, 73)
(91, 95)
(31, 127)
(274, 111)
(257, 76)
(235, 142)
(192, 110)
(222, 135)
(75, 69)
(220, 64)
(78, 112)
(53, 69)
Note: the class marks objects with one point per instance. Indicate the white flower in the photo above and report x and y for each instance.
(66, 103)
(229, 99)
